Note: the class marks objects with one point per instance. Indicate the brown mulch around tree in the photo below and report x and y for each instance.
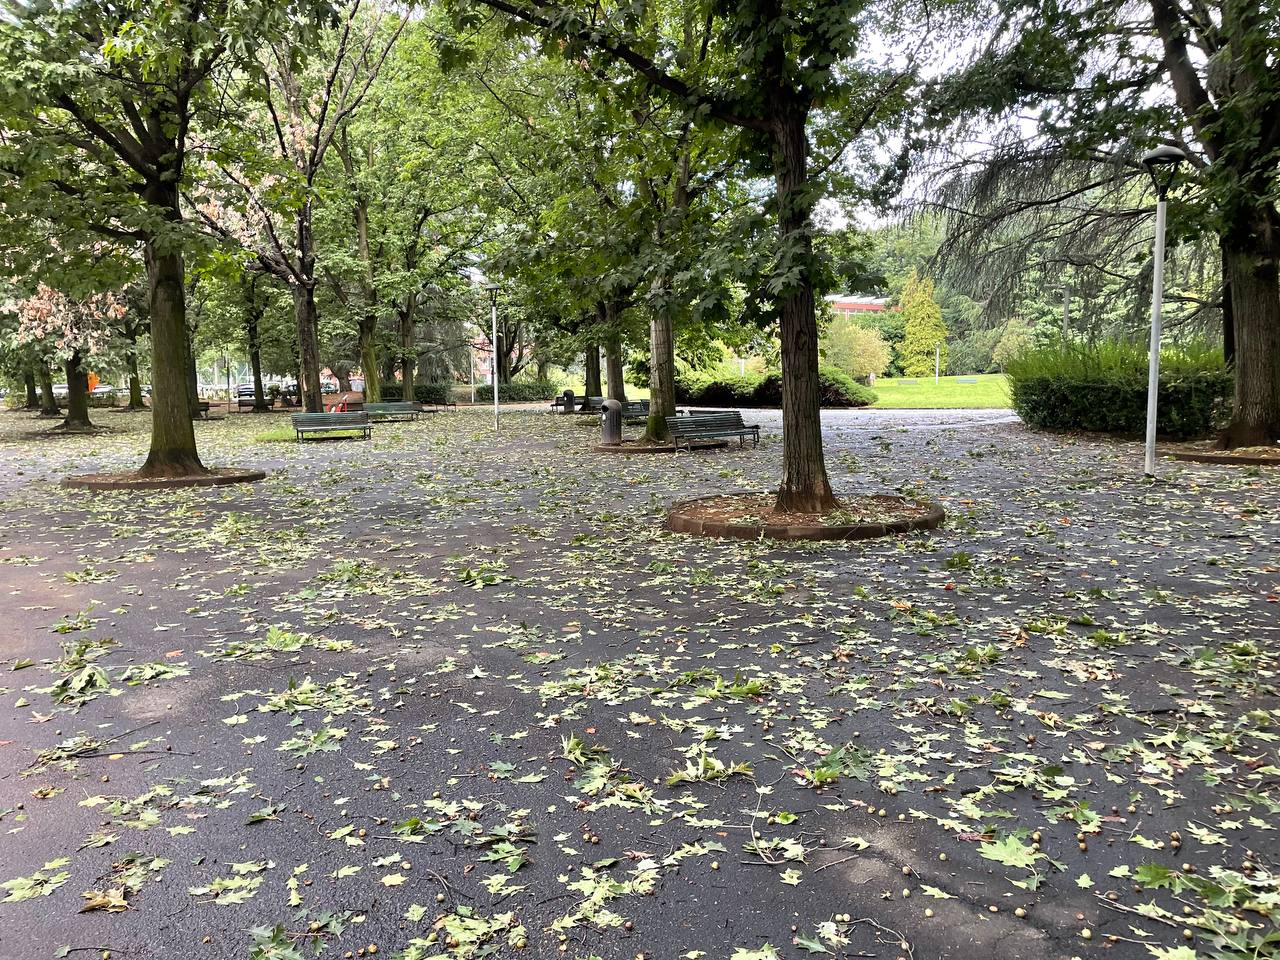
(760, 509)
(1204, 451)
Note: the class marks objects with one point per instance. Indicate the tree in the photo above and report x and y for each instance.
(924, 342)
(98, 102)
(786, 76)
(857, 350)
(1106, 82)
(266, 201)
(72, 329)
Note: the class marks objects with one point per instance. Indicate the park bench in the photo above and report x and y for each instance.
(711, 426)
(635, 411)
(966, 379)
(908, 381)
(322, 423)
(395, 410)
(591, 405)
(202, 410)
(246, 398)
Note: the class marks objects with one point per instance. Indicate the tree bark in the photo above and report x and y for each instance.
(662, 375)
(173, 438)
(77, 417)
(260, 404)
(135, 383)
(368, 349)
(592, 387)
(1252, 258)
(48, 402)
(407, 351)
(29, 383)
(304, 314)
(613, 363)
(805, 487)
(1228, 312)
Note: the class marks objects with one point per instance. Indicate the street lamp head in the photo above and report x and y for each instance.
(1162, 166)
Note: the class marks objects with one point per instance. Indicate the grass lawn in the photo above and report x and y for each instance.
(990, 390)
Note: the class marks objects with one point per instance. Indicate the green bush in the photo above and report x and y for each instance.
(434, 393)
(521, 392)
(1103, 388)
(838, 390)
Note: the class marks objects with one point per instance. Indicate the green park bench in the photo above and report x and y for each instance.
(322, 423)
(966, 379)
(635, 411)
(711, 426)
(394, 410)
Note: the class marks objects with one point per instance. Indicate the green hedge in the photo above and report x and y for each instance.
(522, 392)
(838, 390)
(1103, 388)
(437, 392)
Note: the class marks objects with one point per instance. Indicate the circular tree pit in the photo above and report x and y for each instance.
(751, 516)
(1206, 452)
(216, 477)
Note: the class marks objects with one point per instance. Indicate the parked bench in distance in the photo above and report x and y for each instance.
(635, 411)
(711, 426)
(966, 379)
(322, 423)
(394, 410)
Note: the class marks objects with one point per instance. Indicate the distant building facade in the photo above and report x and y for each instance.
(852, 304)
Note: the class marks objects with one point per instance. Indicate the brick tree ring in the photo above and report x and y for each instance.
(216, 477)
(751, 516)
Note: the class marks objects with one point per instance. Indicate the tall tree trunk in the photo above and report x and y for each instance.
(613, 364)
(662, 373)
(48, 402)
(29, 383)
(304, 314)
(260, 404)
(368, 348)
(77, 417)
(1228, 311)
(173, 438)
(193, 380)
(407, 351)
(1252, 261)
(805, 487)
(135, 383)
(592, 365)
(366, 345)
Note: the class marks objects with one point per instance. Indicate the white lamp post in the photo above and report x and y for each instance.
(1162, 166)
(493, 303)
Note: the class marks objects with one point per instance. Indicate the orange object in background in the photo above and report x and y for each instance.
(94, 380)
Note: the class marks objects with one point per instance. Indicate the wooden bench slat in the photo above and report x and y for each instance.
(711, 426)
(304, 423)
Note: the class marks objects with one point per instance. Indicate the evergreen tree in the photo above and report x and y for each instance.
(925, 332)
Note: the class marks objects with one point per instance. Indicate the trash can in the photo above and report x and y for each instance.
(566, 402)
(611, 422)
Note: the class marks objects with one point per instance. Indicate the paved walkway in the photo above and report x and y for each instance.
(452, 697)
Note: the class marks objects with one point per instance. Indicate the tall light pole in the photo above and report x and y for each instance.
(493, 306)
(1162, 166)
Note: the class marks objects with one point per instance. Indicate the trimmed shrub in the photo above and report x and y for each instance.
(1103, 388)
(520, 392)
(838, 389)
(436, 392)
